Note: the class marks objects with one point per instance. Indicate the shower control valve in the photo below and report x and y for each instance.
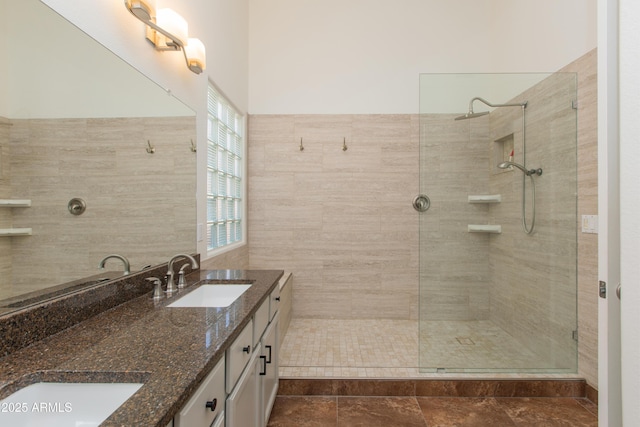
(421, 203)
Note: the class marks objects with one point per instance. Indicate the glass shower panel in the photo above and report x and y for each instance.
(494, 298)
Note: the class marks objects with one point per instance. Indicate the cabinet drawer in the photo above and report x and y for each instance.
(274, 302)
(260, 321)
(207, 402)
(238, 355)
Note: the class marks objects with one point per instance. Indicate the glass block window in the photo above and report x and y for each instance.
(224, 172)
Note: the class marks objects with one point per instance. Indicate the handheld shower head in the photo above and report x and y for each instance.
(505, 165)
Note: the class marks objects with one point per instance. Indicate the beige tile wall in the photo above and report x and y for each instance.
(454, 276)
(237, 259)
(533, 276)
(341, 221)
(586, 67)
(5, 193)
(139, 205)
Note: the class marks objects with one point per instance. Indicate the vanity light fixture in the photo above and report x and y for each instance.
(167, 30)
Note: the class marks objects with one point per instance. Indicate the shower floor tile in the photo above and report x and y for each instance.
(374, 348)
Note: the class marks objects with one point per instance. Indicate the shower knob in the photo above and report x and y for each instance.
(76, 206)
(421, 203)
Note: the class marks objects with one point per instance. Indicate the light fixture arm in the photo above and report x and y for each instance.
(192, 49)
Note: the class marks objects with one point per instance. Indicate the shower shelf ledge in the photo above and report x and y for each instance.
(15, 232)
(485, 198)
(484, 228)
(15, 203)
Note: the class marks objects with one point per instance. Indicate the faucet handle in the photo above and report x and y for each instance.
(182, 282)
(157, 291)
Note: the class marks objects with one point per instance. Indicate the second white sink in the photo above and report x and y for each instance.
(64, 404)
(211, 296)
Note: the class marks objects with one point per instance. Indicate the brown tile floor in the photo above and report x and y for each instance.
(347, 411)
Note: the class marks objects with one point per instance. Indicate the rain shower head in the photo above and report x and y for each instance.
(472, 115)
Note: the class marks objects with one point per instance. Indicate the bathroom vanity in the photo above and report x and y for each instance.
(197, 365)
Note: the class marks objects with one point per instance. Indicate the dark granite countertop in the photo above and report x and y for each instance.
(170, 350)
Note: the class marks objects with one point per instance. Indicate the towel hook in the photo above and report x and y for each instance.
(301, 146)
(344, 144)
(150, 148)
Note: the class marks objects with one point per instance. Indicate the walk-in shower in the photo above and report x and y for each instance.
(457, 287)
(491, 301)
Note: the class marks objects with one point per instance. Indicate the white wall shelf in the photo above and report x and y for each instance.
(484, 228)
(15, 203)
(15, 232)
(485, 198)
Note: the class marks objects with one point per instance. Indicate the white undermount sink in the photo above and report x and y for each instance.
(212, 296)
(64, 404)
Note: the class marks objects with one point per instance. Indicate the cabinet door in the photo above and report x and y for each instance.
(242, 408)
(269, 375)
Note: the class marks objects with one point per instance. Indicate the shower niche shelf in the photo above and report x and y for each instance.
(485, 198)
(15, 203)
(502, 149)
(484, 228)
(15, 232)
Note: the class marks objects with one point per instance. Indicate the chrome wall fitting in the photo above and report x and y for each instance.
(76, 206)
(421, 203)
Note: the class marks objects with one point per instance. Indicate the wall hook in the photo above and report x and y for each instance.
(193, 147)
(301, 146)
(150, 148)
(344, 144)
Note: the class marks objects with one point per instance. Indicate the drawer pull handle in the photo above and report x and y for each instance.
(268, 347)
(277, 298)
(246, 349)
(264, 365)
(211, 404)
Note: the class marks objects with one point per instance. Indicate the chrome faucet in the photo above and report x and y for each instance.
(171, 286)
(125, 261)
(157, 289)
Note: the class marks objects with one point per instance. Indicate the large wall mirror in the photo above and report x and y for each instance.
(77, 122)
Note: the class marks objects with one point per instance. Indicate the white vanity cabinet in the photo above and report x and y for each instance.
(241, 390)
(253, 393)
(207, 403)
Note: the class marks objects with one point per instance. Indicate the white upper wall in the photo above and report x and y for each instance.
(62, 72)
(220, 24)
(365, 56)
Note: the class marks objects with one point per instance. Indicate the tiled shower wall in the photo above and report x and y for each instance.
(342, 221)
(586, 69)
(454, 274)
(533, 276)
(5, 193)
(139, 205)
